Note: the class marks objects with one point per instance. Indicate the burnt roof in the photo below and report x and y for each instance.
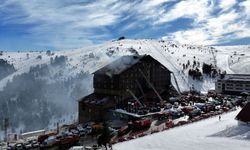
(244, 114)
(121, 64)
(96, 99)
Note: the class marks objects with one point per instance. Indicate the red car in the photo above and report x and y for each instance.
(141, 124)
(169, 124)
(66, 139)
(124, 130)
(187, 109)
(41, 138)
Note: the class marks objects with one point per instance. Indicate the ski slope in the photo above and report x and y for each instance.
(232, 59)
(209, 134)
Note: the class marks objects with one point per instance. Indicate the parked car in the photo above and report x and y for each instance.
(10, 148)
(28, 145)
(173, 99)
(41, 138)
(168, 106)
(32, 143)
(67, 138)
(169, 124)
(77, 148)
(49, 142)
(82, 131)
(194, 113)
(75, 132)
(122, 131)
(162, 115)
(176, 113)
(201, 106)
(35, 144)
(19, 146)
(88, 129)
(140, 124)
(187, 109)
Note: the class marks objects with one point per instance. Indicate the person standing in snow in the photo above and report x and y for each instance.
(219, 117)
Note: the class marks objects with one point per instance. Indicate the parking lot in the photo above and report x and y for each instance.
(140, 121)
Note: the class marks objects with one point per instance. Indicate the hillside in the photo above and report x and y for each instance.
(47, 84)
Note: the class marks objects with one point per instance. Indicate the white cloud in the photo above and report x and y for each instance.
(246, 7)
(195, 9)
(227, 4)
(61, 23)
(65, 24)
(193, 36)
(209, 27)
(58, 22)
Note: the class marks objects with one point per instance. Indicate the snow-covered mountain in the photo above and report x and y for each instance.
(47, 84)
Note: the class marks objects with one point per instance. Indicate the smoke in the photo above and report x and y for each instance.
(5, 68)
(32, 99)
(49, 93)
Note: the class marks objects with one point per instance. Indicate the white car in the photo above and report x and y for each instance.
(77, 148)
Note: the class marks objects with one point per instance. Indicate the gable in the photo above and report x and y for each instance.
(123, 63)
(244, 114)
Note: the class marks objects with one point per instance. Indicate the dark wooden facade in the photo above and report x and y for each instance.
(94, 107)
(126, 73)
(131, 78)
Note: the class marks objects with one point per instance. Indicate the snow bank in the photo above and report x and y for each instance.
(208, 134)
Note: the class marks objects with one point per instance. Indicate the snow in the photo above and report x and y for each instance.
(232, 59)
(203, 135)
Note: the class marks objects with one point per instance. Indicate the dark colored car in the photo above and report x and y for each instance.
(20, 146)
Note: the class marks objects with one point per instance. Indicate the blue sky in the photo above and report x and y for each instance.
(68, 24)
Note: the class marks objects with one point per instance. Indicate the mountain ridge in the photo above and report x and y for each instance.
(70, 73)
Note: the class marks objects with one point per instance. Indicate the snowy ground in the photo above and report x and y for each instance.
(232, 59)
(209, 134)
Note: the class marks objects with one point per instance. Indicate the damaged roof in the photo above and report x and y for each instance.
(96, 99)
(121, 64)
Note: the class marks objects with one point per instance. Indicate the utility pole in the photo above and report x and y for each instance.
(6, 125)
(57, 127)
